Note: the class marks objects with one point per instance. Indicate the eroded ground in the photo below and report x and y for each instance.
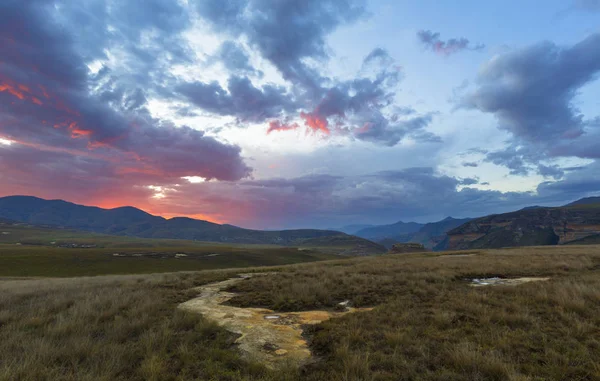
(274, 339)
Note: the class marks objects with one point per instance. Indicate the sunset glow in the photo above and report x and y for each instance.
(281, 116)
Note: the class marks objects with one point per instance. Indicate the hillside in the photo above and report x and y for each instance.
(388, 231)
(530, 227)
(585, 201)
(431, 235)
(351, 229)
(129, 221)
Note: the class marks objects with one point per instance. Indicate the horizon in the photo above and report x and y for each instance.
(277, 116)
(301, 227)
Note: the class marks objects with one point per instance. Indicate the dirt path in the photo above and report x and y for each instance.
(274, 339)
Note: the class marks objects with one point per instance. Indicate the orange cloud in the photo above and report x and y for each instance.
(5, 87)
(276, 125)
(315, 122)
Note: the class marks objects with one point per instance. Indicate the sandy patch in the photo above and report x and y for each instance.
(269, 337)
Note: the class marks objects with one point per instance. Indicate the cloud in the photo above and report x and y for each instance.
(469, 181)
(276, 125)
(531, 90)
(364, 109)
(431, 40)
(46, 104)
(531, 93)
(327, 200)
(517, 159)
(380, 130)
(292, 37)
(235, 59)
(284, 32)
(380, 56)
(576, 184)
(470, 164)
(241, 99)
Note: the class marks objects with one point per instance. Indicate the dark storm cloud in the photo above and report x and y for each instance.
(45, 103)
(470, 164)
(431, 40)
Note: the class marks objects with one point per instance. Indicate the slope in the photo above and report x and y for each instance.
(130, 221)
(530, 227)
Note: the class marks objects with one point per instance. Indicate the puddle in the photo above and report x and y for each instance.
(495, 281)
(271, 338)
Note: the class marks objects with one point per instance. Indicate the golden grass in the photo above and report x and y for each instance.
(428, 323)
(113, 328)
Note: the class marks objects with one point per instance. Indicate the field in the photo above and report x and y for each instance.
(27, 251)
(428, 322)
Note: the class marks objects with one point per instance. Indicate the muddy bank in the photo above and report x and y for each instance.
(271, 338)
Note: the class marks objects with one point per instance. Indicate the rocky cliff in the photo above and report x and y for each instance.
(529, 227)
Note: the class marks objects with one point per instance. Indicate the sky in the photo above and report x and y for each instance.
(275, 114)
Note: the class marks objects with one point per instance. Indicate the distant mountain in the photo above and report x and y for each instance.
(389, 231)
(351, 229)
(431, 235)
(134, 222)
(532, 207)
(529, 227)
(585, 201)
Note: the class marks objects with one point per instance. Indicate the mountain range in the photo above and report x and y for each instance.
(431, 235)
(135, 222)
(574, 223)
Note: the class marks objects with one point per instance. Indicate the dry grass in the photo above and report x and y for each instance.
(428, 323)
(113, 328)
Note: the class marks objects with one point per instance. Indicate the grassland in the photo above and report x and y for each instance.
(113, 328)
(27, 251)
(427, 324)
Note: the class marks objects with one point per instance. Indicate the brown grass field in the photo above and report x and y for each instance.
(428, 323)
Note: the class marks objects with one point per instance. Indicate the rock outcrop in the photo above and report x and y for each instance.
(529, 227)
